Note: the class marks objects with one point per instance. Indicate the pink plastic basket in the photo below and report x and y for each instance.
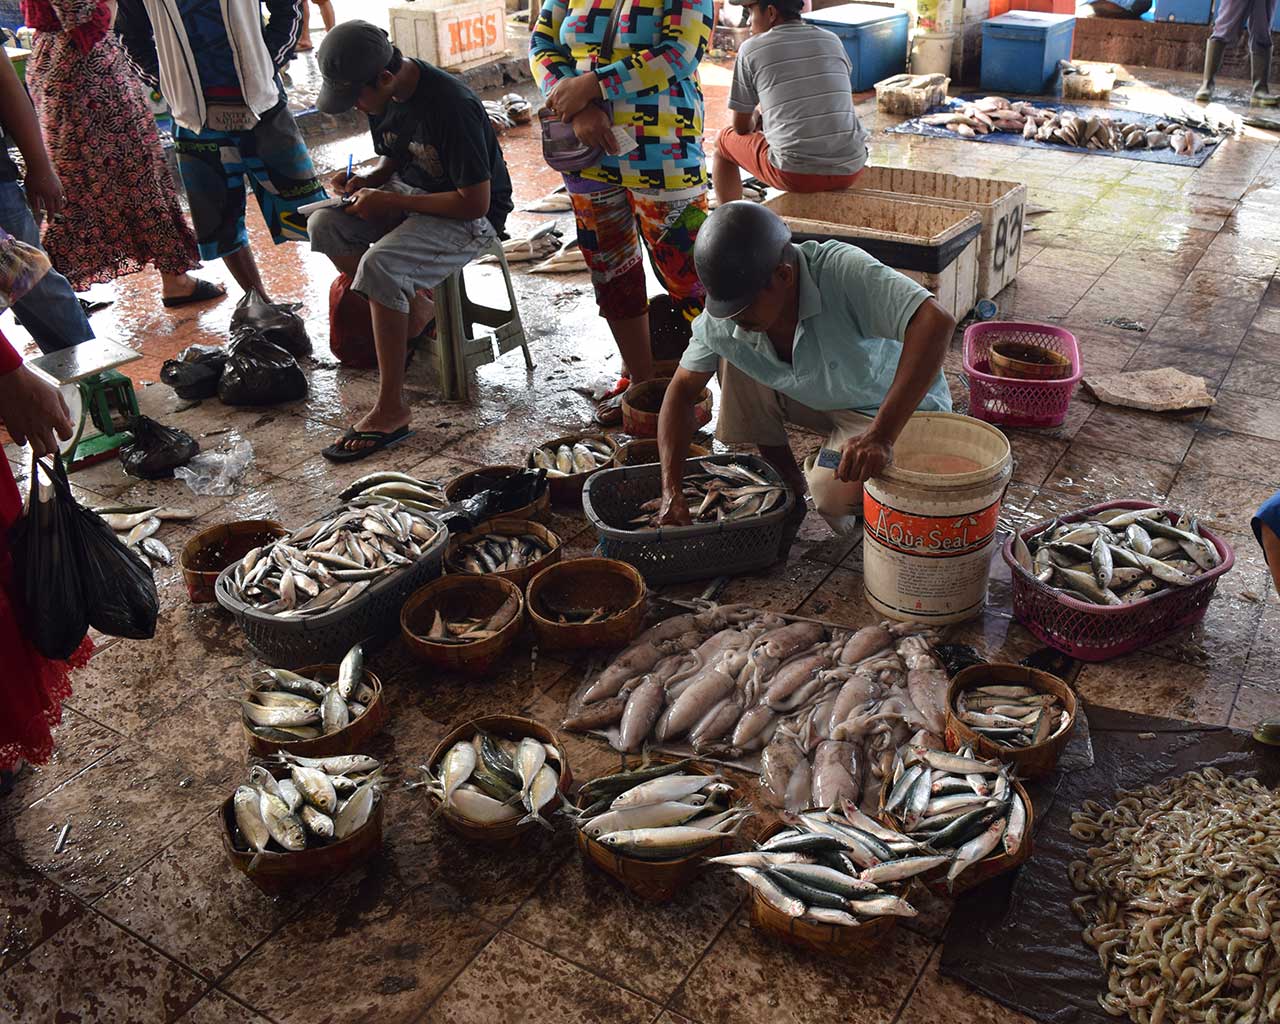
(1018, 403)
(1099, 633)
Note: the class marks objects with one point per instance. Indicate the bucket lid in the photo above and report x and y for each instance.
(942, 426)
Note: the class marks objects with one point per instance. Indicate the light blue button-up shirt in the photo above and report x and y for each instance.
(853, 317)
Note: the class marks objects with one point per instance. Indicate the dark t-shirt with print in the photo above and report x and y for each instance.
(443, 140)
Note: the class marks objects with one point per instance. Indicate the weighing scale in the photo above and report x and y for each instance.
(95, 392)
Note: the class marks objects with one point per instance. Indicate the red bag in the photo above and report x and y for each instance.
(350, 326)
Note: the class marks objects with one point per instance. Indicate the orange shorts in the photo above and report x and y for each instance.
(751, 153)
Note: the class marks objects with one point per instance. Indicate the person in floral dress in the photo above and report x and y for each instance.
(122, 211)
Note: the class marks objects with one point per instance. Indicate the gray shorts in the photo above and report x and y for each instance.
(399, 256)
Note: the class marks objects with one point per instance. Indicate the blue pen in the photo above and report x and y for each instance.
(350, 158)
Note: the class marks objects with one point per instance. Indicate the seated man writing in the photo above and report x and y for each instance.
(794, 126)
(818, 334)
(437, 198)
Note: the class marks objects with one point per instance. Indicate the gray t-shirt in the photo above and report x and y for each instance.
(798, 75)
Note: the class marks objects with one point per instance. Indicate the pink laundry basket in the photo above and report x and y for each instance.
(1008, 402)
(1099, 633)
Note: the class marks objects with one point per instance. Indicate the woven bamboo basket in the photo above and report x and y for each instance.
(278, 873)
(655, 880)
(643, 451)
(466, 597)
(587, 583)
(841, 942)
(351, 740)
(507, 526)
(642, 402)
(567, 490)
(210, 551)
(512, 727)
(1029, 762)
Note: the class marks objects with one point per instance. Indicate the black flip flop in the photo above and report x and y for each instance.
(338, 452)
(204, 291)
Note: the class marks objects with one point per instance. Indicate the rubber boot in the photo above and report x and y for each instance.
(1213, 51)
(1260, 64)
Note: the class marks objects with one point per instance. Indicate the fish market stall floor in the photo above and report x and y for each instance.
(140, 918)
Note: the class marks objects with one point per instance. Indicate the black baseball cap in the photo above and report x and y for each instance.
(737, 250)
(351, 56)
(792, 7)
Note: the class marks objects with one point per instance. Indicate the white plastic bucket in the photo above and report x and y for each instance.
(931, 54)
(930, 519)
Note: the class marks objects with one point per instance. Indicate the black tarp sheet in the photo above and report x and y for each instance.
(1015, 938)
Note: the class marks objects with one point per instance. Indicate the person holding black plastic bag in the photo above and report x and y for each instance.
(32, 687)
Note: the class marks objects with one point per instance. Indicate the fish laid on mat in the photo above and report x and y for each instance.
(1119, 557)
(1179, 899)
(659, 813)
(827, 868)
(320, 801)
(1016, 716)
(585, 455)
(387, 486)
(491, 779)
(495, 552)
(720, 493)
(331, 561)
(288, 707)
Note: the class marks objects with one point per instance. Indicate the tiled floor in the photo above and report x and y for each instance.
(140, 918)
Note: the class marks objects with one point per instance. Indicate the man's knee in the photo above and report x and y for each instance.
(322, 226)
(380, 278)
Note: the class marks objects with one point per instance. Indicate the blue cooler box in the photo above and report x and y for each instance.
(1188, 12)
(874, 37)
(1021, 50)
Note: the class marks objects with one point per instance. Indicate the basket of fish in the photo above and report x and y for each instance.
(463, 623)
(210, 551)
(337, 581)
(318, 711)
(514, 549)
(304, 819)
(962, 807)
(651, 828)
(1114, 578)
(739, 505)
(1020, 715)
(569, 461)
(642, 450)
(830, 885)
(469, 484)
(586, 603)
(494, 778)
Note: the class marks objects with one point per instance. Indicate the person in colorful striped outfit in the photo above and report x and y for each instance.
(644, 108)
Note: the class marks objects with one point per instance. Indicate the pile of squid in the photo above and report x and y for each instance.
(822, 711)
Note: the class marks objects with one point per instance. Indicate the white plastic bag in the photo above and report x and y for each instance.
(217, 473)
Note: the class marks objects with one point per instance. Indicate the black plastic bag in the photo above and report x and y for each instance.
(47, 570)
(118, 586)
(275, 321)
(260, 373)
(156, 450)
(194, 375)
(493, 497)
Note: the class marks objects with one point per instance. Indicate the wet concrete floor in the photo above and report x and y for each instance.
(140, 918)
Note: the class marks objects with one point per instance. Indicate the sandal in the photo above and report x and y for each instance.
(339, 452)
(204, 291)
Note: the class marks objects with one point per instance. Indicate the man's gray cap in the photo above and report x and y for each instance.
(737, 250)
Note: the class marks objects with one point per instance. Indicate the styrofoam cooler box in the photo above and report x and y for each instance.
(1188, 12)
(1021, 50)
(450, 33)
(1044, 6)
(1000, 204)
(933, 244)
(875, 38)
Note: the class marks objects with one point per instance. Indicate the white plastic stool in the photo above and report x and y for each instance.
(456, 346)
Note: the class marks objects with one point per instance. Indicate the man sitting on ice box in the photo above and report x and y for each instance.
(818, 334)
(794, 127)
(438, 197)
